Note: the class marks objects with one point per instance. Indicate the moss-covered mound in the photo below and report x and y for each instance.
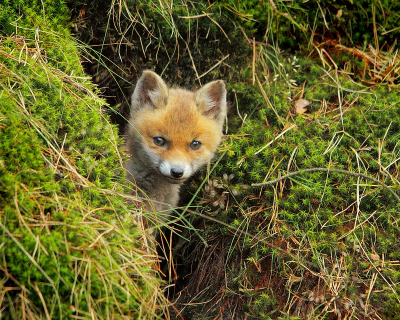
(69, 246)
(315, 244)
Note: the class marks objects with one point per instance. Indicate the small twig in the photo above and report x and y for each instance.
(222, 30)
(276, 138)
(353, 174)
(269, 102)
(191, 59)
(214, 66)
(272, 4)
(78, 86)
(254, 61)
(196, 17)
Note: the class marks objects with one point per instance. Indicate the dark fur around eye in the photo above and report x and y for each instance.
(159, 141)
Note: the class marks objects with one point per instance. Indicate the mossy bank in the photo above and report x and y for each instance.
(68, 244)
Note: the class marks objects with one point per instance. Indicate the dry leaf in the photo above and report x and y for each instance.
(339, 13)
(374, 257)
(301, 106)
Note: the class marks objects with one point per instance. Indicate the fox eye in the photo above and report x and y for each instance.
(195, 145)
(159, 141)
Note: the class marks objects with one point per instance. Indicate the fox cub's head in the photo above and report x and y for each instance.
(176, 130)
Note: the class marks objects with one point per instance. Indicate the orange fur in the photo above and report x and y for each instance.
(180, 128)
(180, 118)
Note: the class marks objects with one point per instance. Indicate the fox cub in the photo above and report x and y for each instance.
(172, 133)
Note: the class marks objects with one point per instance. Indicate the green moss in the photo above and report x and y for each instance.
(318, 209)
(64, 247)
(293, 24)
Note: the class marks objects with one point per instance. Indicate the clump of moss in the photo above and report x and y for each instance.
(319, 219)
(69, 245)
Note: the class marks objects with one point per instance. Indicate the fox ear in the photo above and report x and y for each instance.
(150, 90)
(211, 100)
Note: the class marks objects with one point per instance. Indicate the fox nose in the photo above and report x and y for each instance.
(176, 172)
